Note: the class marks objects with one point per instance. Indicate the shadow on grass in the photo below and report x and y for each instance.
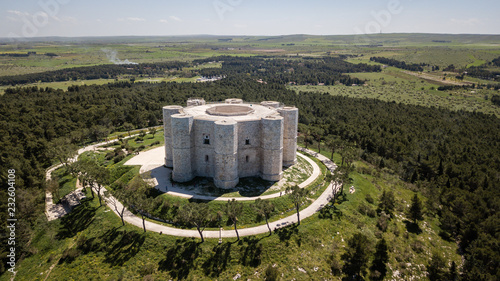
(251, 253)
(125, 245)
(179, 259)
(118, 246)
(217, 263)
(78, 220)
(412, 227)
(285, 233)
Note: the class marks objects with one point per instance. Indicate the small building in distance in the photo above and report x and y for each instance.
(229, 140)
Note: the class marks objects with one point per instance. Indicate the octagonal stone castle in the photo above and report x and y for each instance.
(226, 141)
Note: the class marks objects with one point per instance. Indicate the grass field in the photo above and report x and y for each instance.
(393, 85)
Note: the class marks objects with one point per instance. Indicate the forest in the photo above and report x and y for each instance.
(108, 71)
(326, 70)
(398, 64)
(451, 156)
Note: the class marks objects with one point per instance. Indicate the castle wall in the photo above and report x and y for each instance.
(182, 147)
(291, 120)
(168, 111)
(204, 155)
(249, 148)
(272, 147)
(226, 148)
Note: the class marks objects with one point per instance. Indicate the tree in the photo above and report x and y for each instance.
(386, 203)
(336, 179)
(137, 198)
(318, 135)
(101, 178)
(436, 268)
(233, 211)
(415, 212)
(128, 127)
(53, 188)
(264, 208)
(120, 195)
(298, 196)
(306, 131)
(358, 252)
(332, 143)
(93, 175)
(153, 131)
(63, 150)
(197, 214)
(378, 267)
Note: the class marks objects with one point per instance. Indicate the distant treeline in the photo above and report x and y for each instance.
(496, 62)
(92, 72)
(482, 73)
(326, 70)
(399, 64)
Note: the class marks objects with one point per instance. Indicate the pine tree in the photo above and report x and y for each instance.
(415, 211)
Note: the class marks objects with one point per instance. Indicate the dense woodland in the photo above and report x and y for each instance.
(451, 157)
(108, 71)
(399, 64)
(327, 70)
(482, 73)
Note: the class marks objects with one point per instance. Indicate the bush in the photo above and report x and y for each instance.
(118, 158)
(271, 273)
(69, 255)
(367, 210)
(383, 222)
(369, 198)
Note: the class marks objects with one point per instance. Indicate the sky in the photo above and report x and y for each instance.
(72, 18)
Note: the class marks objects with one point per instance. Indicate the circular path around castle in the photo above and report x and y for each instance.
(152, 161)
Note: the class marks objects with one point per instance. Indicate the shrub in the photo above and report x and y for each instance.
(69, 255)
(367, 210)
(118, 158)
(271, 273)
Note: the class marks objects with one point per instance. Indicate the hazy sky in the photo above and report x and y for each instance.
(32, 18)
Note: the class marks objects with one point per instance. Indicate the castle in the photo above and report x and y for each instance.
(229, 140)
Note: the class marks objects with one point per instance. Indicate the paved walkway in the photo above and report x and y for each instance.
(153, 160)
(314, 207)
(55, 211)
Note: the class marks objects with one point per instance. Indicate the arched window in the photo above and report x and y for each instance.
(246, 158)
(247, 141)
(206, 139)
(206, 158)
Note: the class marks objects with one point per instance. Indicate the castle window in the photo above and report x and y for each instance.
(206, 139)
(206, 158)
(247, 141)
(246, 158)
